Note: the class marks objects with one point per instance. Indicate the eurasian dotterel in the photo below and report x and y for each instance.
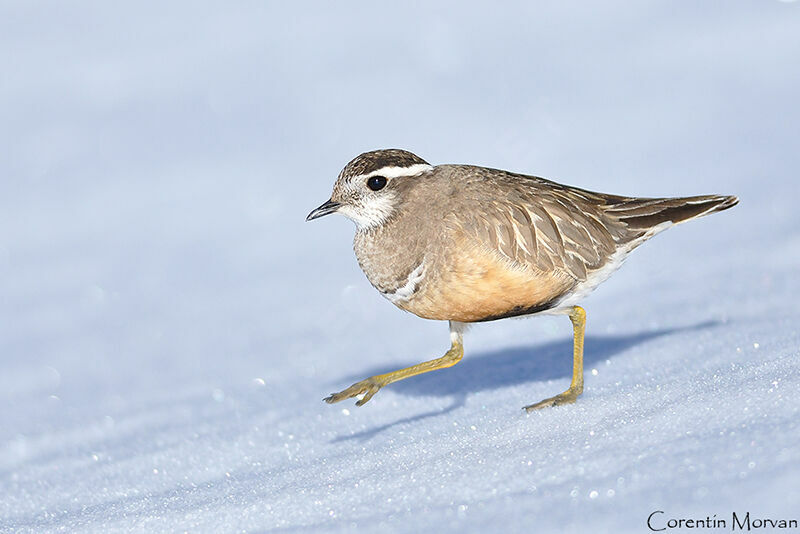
(466, 244)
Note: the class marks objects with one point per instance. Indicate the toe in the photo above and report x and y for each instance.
(539, 405)
(367, 387)
(333, 397)
(563, 398)
(371, 391)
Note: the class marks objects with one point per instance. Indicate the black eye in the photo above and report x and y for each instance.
(376, 183)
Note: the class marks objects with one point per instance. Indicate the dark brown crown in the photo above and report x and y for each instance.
(378, 159)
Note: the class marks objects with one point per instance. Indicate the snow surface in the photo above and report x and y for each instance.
(169, 323)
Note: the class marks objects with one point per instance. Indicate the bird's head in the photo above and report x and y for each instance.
(367, 190)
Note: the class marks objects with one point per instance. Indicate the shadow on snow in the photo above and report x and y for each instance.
(506, 367)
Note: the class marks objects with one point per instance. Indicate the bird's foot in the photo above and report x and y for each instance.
(368, 387)
(568, 397)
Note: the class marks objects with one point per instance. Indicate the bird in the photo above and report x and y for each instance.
(468, 244)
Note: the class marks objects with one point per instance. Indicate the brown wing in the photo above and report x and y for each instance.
(541, 225)
(549, 227)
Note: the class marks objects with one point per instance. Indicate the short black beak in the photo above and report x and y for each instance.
(326, 209)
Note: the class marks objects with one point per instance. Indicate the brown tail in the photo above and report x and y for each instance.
(643, 214)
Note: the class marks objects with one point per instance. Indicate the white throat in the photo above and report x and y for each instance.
(370, 214)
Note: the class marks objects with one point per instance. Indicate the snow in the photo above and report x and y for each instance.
(169, 324)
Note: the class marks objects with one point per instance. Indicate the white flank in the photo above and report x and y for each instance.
(602, 274)
(402, 294)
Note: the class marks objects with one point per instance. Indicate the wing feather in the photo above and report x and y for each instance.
(552, 228)
(539, 227)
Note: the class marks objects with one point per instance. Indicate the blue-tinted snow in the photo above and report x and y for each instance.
(169, 323)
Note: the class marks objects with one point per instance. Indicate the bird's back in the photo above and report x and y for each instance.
(546, 226)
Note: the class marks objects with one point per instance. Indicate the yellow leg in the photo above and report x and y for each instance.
(370, 386)
(578, 317)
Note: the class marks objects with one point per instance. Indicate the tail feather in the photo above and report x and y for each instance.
(643, 214)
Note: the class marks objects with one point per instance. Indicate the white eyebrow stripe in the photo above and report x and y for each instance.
(396, 172)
